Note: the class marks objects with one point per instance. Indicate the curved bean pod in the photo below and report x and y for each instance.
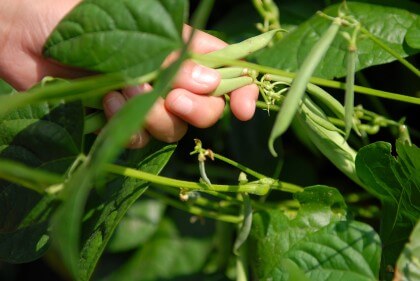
(232, 72)
(241, 49)
(228, 85)
(331, 143)
(299, 84)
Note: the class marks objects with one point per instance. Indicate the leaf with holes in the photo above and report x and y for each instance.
(318, 241)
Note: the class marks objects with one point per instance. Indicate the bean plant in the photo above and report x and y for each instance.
(323, 184)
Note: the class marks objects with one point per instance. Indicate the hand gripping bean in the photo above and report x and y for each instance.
(299, 85)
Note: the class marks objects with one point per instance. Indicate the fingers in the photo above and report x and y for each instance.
(113, 102)
(164, 125)
(243, 101)
(198, 110)
(160, 123)
(197, 78)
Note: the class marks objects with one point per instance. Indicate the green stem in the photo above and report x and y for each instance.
(252, 187)
(188, 185)
(239, 166)
(313, 80)
(200, 200)
(34, 179)
(193, 209)
(381, 44)
(288, 187)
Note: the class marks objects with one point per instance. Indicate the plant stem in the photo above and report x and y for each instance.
(287, 187)
(390, 51)
(239, 166)
(314, 80)
(193, 209)
(252, 187)
(34, 179)
(188, 185)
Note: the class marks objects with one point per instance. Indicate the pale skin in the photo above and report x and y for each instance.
(26, 24)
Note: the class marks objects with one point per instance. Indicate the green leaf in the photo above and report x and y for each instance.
(392, 180)
(25, 244)
(106, 149)
(24, 135)
(396, 182)
(137, 226)
(58, 126)
(413, 35)
(389, 24)
(167, 256)
(109, 36)
(318, 240)
(5, 89)
(408, 265)
(108, 209)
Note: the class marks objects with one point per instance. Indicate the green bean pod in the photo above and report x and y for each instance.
(299, 85)
(318, 116)
(349, 95)
(331, 143)
(320, 94)
(94, 122)
(242, 49)
(228, 85)
(231, 72)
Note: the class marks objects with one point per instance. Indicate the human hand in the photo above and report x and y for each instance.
(22, 65)
(188, 102)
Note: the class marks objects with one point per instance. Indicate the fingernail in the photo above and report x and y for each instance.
(113, 103)
(204, 75)
(135, 90)
(182, 105)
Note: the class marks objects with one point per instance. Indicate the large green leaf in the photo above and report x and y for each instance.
(408, 265)
(389, 24)
(396, 182)
(318, 240)
(413, 35)
(106, 210)
(128, 35)
(137, 226)
(24, 136)
(106, 149)
(167, 256)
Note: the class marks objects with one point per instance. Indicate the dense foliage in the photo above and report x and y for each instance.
(322, 184)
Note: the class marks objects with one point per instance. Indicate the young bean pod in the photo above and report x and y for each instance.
(331, 143)
(228, 85)
(320, 94)
(240, 50)
(349, 95)
(299, 85)
(231, 72)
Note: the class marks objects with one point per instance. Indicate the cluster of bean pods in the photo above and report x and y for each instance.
(290, 94)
